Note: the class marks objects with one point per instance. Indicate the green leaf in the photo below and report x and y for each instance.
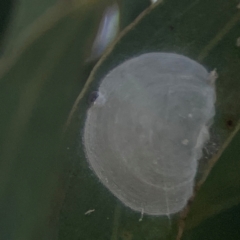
(39, 82)
(25, 13)
(5, 12)
(219, 227)
(204, 31)
(130, 10)
(221, 191)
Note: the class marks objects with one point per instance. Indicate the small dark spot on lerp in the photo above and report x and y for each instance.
(93, 96)
(171, 27)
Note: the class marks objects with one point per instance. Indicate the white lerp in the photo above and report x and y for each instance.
(145, 132)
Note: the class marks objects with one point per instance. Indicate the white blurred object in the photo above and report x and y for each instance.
(107, 31)
(153, 1)
(238, 41)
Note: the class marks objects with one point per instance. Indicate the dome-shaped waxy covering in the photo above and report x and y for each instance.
(145, 132)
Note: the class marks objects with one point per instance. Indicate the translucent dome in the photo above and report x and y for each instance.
(145, 131)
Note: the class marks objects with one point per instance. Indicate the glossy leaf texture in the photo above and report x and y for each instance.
(204, 31)
(40, 77)
(24, 14)
(130, 10)
(214, 213)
